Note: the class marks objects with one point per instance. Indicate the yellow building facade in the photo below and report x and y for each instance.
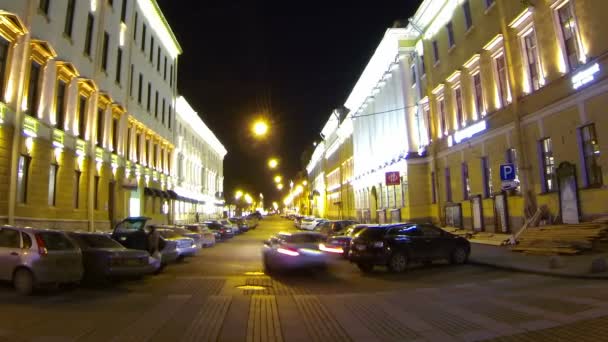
(514, 84)
(76, 150)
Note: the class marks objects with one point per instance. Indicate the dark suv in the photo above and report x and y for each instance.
(396, 245)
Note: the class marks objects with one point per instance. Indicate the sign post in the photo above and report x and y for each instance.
(393, 178)
(508, 177)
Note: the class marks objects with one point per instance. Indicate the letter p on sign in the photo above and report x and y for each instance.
(507, 172)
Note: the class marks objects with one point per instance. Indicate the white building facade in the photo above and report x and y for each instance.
(199, 169)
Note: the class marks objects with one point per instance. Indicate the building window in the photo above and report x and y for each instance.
(171, 76)
(436, 51)
(548, 165)
(433, 187)
(158, 60)
(154, 157)
(69, 18)
(429, 130)
(135, 27)
(151, 49)
(115, 135)
(33, 89)
(88, 43)
(148, 102)
(459, 108)
(443, 128)
(466, 183)
(118, 65)
(43, 6)
(569, 35)
(478, 93)
(123, 11)
(52, 200)
(591, 155)
(104, 54)
(169, 117)
(532, 60)
(502, 81)
(131, 72)
(60, 101)
(143, 37)
(163, 113)
(100, 120)
(413, 74)
(139, 88)
(82, 116)
(450, 29)
(76, 193)
(489, 3)
(111, 2)
(96, 193)
(422, 65)
(165, 69)
(4, 52)
(468, 18)
(128, 154)
(486, 172)
(156, 105)
(448, 185)
(23, 168)
(138, 147)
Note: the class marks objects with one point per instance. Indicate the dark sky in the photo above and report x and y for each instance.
(293, 62)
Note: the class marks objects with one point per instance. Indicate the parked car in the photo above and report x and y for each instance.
(341, 242)
(252, 221)
(241, 223)
(311, 223)
(186, 247)
(328, 228)
(103, 257)
(224, 233)
(30, 258)
(292, 251)
(208, 236)
(133, 233)
(232, 225)
(181, 230)
(396, 245)
(297, 221)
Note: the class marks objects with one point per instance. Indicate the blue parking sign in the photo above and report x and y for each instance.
(507, 172)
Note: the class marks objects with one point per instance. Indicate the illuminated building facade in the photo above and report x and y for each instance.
(519, 83)
(199, 174)
(87, 118)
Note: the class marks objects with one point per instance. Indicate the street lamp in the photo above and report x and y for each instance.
(238, 194)
(305, 183)
(273, 163)
(260, 128)
(278, 179)
(280, 186)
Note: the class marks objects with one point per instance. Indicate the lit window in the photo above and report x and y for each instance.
(52, 200)
(436, 51)
(69, 18)
(33, 89)
(443, 129)
(459, 108)
(4, 53)
(478, 90)
(88, 43)
(569, 35)
(60, 105)
(23, 167)
(547, 163)
(501, 80)
(591, 155)
(82, 116)
(100, 117)
(448, 185)
(468, 18)
(486, 172)
(76, 193)
(532, 60)
(466, 183)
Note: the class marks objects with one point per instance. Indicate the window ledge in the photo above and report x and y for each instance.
(451, 49)
(468, 32)
(436, 64)
(68, 38)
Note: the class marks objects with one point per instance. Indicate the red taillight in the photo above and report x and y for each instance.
(288, 251)
(41, 245)
(329, 249)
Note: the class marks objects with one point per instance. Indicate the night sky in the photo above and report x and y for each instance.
(292, 62)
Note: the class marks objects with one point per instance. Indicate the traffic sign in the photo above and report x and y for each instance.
(509, 185)
(507, 172)
(392, 178)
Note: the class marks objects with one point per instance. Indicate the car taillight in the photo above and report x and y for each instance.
(337, 250)
(41, 245)
(288, 251)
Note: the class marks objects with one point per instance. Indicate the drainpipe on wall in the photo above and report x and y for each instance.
(23, 49)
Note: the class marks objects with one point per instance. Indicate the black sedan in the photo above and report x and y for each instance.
(396, 245)
(340, 243)
(105, 258)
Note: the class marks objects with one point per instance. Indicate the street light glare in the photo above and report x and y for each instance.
(273, 163)
(280, 186)
(260, 128)
(278, 179)
(238, 194)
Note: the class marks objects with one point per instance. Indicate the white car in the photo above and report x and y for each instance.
(310, 223)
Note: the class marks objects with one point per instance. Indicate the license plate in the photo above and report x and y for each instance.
(360, 247)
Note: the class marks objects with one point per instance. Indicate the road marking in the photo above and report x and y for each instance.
(263, 324)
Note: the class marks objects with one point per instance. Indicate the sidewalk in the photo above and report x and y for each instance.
(578, 266)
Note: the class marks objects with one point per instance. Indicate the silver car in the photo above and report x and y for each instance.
(294, 251)
(34, 257)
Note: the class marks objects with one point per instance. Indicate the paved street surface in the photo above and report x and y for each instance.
(222, 295)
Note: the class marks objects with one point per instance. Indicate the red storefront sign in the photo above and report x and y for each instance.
(392, 178)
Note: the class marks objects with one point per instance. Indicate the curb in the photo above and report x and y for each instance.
(539, 272)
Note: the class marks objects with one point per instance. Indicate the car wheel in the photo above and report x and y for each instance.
(397, 263)
(365, 268)
(267, 267)
(459, 256)
(23, 281)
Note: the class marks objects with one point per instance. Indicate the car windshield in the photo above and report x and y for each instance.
(56, 241)
(168, 234)
(131, 225)
(97, 241)
(372, 233)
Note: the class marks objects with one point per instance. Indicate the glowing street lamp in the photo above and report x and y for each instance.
(238, 194)
(280, 186)
(260, 128)
(273, 163)
(278, 179)
(305, 183)
(248, 199)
